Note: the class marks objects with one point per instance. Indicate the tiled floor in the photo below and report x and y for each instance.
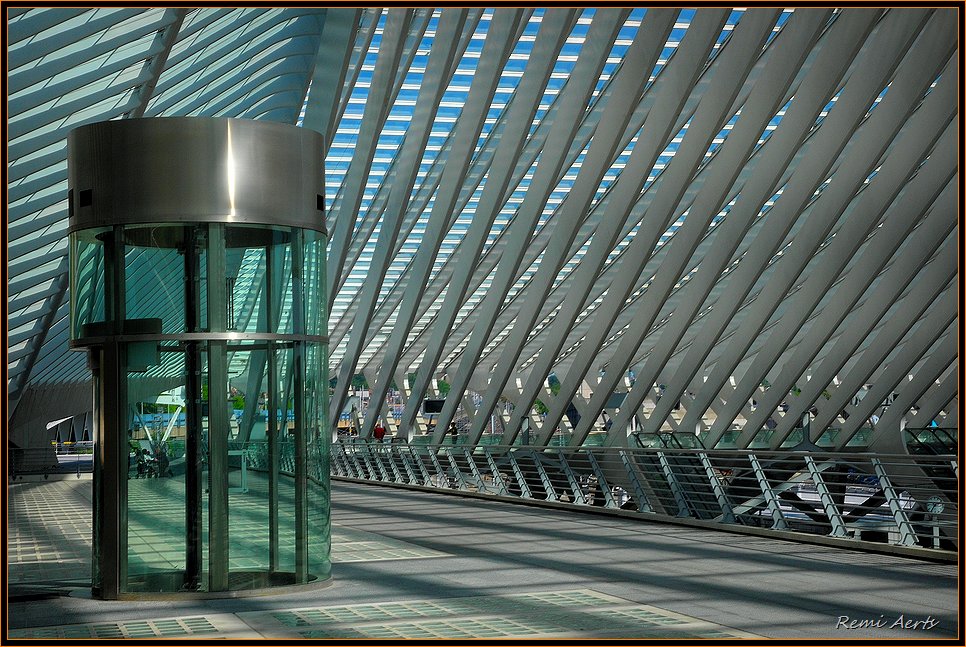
(560, 614)
(49, 538)
(423, 565)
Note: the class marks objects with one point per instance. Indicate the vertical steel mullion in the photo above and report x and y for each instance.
(194, 549)
(643, 505)
(727, 515)
(778, 517)
(272, 422)
(497, 475)
(831, 510)
(111, 496)
(907, 535)
(299, 353)
(218, 521)
(518, 473)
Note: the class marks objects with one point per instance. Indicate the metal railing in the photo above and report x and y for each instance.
(896, 499)
(909, 500)
(59, 458)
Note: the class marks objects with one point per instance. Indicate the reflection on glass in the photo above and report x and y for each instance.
(210, 416)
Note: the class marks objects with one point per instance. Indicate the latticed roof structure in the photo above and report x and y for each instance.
(714, 221)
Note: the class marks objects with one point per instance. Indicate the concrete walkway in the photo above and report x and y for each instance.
(426, 565)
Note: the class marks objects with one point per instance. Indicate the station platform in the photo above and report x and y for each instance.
(426, 565)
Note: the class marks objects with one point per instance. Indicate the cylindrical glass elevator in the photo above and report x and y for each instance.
(197, 289)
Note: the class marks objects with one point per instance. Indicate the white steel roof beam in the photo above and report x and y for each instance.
(439, 71)
(335, 48)
(936, 399)
(877, 64)
(705, 124)
(554, 29)
(496, 50)
(630, 83)
(163, 43)
(577, 91)
(858, 329)
(914, 75)
(887, 438)
(373, 118)
(895, 229)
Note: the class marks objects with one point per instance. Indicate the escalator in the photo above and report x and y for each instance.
(935, 441)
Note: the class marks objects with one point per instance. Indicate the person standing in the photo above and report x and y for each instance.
(453, 432)
(379, 432)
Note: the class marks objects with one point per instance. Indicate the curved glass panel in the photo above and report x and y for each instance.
(222, 476)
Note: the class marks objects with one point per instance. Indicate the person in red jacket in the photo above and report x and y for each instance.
(379, 432)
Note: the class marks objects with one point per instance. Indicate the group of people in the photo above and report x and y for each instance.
(152, 466)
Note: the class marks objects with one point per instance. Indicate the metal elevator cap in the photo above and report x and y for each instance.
(195, 169)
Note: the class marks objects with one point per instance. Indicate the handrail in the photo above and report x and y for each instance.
(900, 499)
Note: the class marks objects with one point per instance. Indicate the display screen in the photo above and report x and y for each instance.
(432, 406)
